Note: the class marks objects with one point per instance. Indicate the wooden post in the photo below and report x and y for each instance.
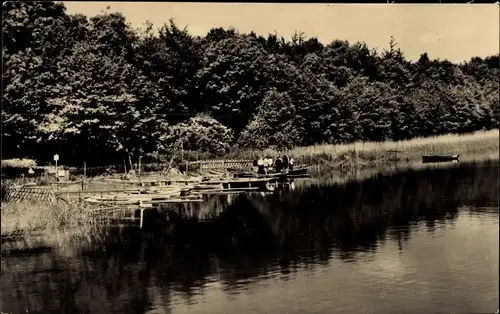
(124, 168)
(142, 214)
(182, 151)
(84, 174)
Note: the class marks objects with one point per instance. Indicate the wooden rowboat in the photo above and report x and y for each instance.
(440, 158)
(289, 173)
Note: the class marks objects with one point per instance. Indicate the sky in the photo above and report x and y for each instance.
(453, 32)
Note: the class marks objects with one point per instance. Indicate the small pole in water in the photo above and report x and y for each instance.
(139, 166)
(141, 207)
(84, 174)
(182, 151)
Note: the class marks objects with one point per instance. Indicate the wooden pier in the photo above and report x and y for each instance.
(137, 194)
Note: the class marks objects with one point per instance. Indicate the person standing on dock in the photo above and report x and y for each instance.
(255, 166)
(290, 163)
(260, 165)
(285, 162)
(267, 164)
(278, 165)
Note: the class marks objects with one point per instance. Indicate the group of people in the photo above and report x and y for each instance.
(264, 164)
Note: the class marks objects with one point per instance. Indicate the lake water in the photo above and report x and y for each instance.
(415, 242)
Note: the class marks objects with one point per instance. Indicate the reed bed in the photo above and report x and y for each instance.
(35, 224)
(477, 146)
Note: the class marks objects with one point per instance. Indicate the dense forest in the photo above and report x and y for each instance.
(97, 90)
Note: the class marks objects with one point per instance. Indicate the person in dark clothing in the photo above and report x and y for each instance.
(260, 166)
(278, 165)
(255, 166)
(285, 162)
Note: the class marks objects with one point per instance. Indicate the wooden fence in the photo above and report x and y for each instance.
(221, 164)
(46, 194)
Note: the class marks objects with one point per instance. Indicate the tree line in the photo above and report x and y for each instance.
(97, 90)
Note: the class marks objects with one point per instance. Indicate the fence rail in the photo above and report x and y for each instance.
(222, 164)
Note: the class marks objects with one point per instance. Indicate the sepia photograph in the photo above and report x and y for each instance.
(288, 158)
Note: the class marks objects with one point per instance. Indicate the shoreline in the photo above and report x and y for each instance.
(477, 146)
(332, 177)
(345, 162)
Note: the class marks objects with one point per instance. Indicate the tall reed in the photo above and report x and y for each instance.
(472, 146)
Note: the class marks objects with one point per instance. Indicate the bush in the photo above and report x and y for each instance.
(203, 134)
(19, 163)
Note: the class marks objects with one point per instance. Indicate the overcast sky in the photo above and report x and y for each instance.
(453, 32)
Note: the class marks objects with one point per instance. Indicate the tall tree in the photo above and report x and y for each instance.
(274, 124)
(232, 79)
(171, 61)
(105, 104)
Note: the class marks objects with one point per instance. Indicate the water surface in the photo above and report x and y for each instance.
(415, 242)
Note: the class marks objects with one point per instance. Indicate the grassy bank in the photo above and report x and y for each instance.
(29, 225)
(477, 146)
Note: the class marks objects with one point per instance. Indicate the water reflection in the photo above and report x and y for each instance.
(236, 243)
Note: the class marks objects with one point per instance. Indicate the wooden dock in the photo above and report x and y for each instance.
(137, 194)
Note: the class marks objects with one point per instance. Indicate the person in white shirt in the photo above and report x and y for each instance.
(268, 162)
(290, 163)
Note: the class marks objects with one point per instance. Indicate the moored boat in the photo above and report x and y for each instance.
(439, 158)
(298, 171)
